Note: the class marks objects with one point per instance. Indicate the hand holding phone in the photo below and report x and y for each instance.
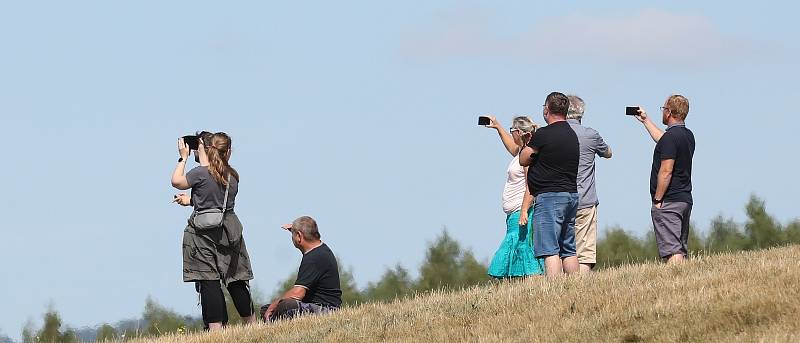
(192, 141)
(182, 199)
(632, 110)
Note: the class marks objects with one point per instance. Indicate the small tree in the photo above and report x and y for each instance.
(446, 265)
(395, 283)
(440, 268)
(471, 272)
(106, 333)
(50, 331)
(725, 235)
(618, 247)
(763, 230)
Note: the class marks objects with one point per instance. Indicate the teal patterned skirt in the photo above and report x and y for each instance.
(515, 256)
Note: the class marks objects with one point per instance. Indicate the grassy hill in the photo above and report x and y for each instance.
(749, 296)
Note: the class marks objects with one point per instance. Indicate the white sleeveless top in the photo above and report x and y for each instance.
(514, 190)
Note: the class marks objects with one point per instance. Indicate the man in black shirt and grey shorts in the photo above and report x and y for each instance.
(317, 289)
(671, 178)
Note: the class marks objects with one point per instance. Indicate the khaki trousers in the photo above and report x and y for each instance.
(586, 235)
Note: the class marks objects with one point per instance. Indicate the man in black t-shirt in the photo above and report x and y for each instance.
(317, 289)
(671, 178)
(553, 155)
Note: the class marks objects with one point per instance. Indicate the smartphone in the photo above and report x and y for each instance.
(192, 141)
(483, 121)
(632, 110)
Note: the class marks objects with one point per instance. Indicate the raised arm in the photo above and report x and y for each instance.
(179, 180)
(654, 131)
(505, 136)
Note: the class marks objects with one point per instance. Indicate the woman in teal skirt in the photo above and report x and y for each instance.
(515, 257)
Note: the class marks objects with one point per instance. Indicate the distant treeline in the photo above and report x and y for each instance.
(760, 231)
(447, 265)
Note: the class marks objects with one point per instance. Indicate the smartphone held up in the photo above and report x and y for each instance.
(632, 110)
(484, 120)
(192, 141)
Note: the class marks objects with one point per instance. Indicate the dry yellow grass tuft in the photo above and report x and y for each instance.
(749, 296)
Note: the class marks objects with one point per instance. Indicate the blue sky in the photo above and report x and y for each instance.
(360, 114)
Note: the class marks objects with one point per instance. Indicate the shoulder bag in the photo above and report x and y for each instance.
(211, 218)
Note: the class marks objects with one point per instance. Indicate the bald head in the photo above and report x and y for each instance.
(307, 227)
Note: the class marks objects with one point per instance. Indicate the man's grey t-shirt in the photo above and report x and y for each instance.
(207, 193)
(591, 144)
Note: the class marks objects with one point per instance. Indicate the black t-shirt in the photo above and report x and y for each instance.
(207, 193)
(319, 275)
(555, 166)
(677, 143)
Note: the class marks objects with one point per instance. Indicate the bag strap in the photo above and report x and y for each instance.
(225, 202)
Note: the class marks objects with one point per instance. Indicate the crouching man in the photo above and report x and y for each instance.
(317, 289)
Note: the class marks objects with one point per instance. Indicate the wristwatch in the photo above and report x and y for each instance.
(180, 159)
(657, 201)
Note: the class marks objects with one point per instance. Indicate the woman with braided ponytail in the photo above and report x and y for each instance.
(218, 255)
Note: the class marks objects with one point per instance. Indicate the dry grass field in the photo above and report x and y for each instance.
(740, 297)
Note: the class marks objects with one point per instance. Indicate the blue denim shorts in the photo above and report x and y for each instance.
(554, 224)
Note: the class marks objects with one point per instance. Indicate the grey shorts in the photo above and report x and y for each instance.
(671, 225)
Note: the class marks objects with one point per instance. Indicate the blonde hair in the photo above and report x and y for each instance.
(678, 106)
(218, 154)
(524, 124)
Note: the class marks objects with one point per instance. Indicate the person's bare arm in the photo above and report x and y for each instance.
(654, 131)
(179, 180)
(527, 200)
(296, 292)
(526, 156)
(663, 179)
(505, 136)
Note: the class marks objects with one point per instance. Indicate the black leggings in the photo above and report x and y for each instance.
(212, 300)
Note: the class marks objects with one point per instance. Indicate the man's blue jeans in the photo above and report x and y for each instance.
(554, 224)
